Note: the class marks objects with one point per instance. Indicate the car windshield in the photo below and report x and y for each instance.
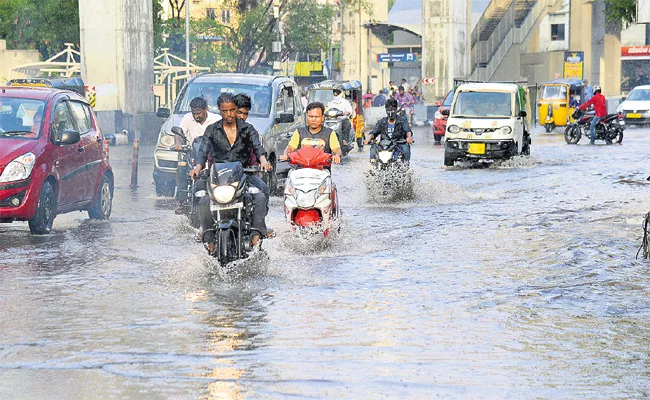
(639, 95)
(483, 104)
(555, 92)
(448, 99)
(260, 96)
(21, 118)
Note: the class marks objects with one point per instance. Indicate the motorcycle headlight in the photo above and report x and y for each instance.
(18, 169)
(166, 140)
(289, 189)
(324, 186)
(224, 194)
(385, 156)
(453, 129)
(505, 130)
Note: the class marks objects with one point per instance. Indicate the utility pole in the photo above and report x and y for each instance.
(341, 42)
(187, 35)
(277, 44)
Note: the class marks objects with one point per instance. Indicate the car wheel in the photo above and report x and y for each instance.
(103, 205)
(526, 147)
(41, 224)
(449, 162)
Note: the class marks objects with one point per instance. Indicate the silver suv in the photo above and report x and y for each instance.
(276, 114)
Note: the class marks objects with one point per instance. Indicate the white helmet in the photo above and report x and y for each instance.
(597, 88)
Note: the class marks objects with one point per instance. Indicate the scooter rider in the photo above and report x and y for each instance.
(315, 135)
(230, 140)
(340, 103)
(600, 106)
(392, 127)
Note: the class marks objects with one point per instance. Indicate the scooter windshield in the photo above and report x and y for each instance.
(226, 173)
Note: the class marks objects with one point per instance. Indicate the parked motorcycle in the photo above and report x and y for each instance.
(335, 120)
(188, 191)
(232, 211)
(610, 128)
(390, 176)
(310, 198)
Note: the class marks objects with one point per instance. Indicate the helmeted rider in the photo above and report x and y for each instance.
(340, 103)
(394, 128)
(600, 106)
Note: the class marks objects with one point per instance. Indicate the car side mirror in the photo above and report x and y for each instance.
(523, 114)
(445, 112)
(623, 98)
(69, 137)
(177, 130)
(284, 119)
(163, 112)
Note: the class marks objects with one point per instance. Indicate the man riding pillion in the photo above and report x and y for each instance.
(230, 140)
(600, 106)
(392, 127)
(315, 135)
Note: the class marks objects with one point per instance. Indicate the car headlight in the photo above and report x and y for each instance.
(324, 186)
(166, 140)
(224, 194)
(18, 169)
(505, 130)
(453, 129)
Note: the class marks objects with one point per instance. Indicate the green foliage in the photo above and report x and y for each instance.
(43, 25)
(620, 10)
(308, 27)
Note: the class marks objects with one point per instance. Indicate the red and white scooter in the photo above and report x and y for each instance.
(310, 199)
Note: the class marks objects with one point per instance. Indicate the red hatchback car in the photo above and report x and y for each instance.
(440, 121)
(52, 158)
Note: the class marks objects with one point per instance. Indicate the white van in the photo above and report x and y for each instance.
(486, 121)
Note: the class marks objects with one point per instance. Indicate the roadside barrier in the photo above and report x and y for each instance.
(134, 165)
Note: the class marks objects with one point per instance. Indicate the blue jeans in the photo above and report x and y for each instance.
(592, 129)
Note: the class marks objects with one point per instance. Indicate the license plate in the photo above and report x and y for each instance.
(476, 148)
(633, 115)
(219, 207)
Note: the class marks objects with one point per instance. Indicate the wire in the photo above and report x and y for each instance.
(645, 246)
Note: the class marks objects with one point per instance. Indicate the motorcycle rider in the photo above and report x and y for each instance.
(392, 127)
(315, 135)
(230, 140)
(600, 106)
(340, 103)
(404, 98)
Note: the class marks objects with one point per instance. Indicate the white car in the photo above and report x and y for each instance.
(486, 121)
(636, 107)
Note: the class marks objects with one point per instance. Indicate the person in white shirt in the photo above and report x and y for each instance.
(405, 84)
(340, 103)
(195, 122)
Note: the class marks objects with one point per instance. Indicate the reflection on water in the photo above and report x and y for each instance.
(513, 281)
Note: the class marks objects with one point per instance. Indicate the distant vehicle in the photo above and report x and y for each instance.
(276, 114)
(440, 120)
(556, 101)
(636, 107)
(486, 121)
(52, 157)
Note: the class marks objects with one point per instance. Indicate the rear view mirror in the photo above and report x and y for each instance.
(163, 112)
(623, 98)
(445, 112)
(177, 130)
(69, 137)
(284, 119)
(522, 114)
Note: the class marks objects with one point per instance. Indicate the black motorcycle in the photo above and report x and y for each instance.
(232, 211)
(610, 128)
(390, 177)
(188, 191)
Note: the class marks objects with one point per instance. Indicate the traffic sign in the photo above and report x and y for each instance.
(397, 57)
(428, 80)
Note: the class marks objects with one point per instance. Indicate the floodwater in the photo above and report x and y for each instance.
(513, 280)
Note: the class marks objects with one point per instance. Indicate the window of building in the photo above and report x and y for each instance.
(225, 16)
(211, 13)
(557, 32)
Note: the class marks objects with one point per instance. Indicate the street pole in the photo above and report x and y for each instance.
(277, 44)
(341, 44)
(187, 35)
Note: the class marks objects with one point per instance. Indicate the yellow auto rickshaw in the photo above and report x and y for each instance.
(353, 91)
(556, 101)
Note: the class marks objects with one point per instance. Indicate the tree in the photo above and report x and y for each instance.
(620, 10)
(308, 27)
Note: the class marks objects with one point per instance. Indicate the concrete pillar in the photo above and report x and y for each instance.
(446, 39)
(117, 58)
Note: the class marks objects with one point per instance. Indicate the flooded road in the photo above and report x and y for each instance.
(516, 280)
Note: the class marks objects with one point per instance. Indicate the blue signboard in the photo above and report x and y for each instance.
(397, 57)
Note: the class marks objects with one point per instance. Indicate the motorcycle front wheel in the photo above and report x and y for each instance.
(572, 134)
(227, 246)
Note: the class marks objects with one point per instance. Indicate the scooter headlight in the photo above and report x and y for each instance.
(385, 156)
(324, 186)
(18, 169)
(223, 194)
